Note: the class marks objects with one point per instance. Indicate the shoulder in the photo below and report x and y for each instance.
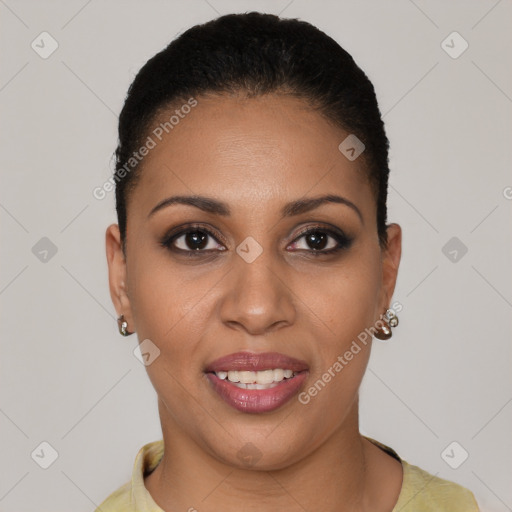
(133, 496)
(424, 492)
(118, 500)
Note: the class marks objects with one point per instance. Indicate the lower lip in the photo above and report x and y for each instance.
(257, 400)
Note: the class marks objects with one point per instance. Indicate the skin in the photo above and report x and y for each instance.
(256, 155)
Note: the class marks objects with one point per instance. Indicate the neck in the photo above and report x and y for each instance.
(331, 478)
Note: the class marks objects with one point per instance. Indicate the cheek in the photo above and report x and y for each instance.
(346, 302)
(164, 299)
(346, 299)
(172, 308)
(169, 308)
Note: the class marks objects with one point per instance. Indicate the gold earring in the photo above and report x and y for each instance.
(384, 331)
(123, 326)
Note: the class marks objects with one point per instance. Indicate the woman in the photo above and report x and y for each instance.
(253, 260)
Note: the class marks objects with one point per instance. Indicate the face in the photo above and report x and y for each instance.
(256, 277)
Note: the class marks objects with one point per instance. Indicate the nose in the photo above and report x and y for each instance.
(257, 298)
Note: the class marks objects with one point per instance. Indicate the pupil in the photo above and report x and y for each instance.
(317, 240)
(196, 239)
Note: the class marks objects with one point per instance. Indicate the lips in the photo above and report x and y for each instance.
(289, 373)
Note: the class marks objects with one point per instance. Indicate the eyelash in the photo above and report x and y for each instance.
(343, 242)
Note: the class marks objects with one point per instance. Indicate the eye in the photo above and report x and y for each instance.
(318, 240)
(197, 240)
(193, 240)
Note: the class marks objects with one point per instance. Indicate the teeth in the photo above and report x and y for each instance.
(265, 377)
(278, 375)
(255, 386)
(233, 376)
(248, 379)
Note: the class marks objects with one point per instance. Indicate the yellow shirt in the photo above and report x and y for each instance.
(421, 491)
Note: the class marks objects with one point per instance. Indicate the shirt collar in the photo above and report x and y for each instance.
(146, 461)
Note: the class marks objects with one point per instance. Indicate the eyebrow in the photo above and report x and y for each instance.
(216, 207)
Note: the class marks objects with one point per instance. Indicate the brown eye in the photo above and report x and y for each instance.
(321, 241)
(192, 240)
(317, 240)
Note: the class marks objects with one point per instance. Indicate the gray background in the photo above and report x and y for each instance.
(69, 379)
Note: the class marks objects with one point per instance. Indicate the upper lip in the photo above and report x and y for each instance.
(256, 362)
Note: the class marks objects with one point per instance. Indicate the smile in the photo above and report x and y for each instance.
(256, 383)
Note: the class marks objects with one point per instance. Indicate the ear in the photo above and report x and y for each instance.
(390, 263)
(117, 274)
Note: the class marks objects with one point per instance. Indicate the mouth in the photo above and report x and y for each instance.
(256, 383)
(264, 379)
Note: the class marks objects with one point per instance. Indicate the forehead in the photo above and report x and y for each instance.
(268, 149)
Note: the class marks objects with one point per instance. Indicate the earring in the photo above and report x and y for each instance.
(391, 316)
(384, 331)
(123, 326)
